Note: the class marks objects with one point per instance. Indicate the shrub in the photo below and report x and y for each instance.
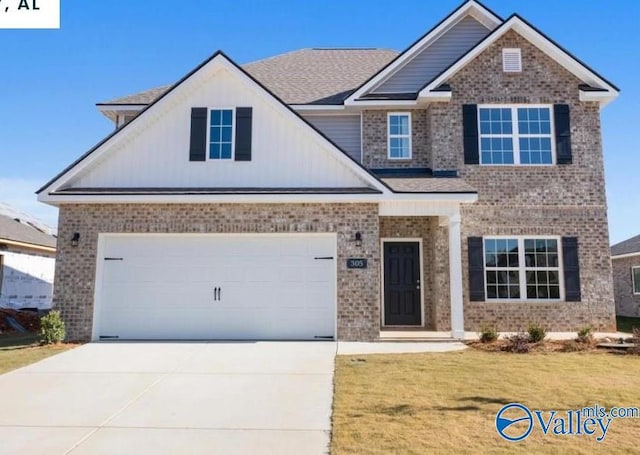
(585, 335)
(536, 333)
(518, 343)
(52, 328)
(636, 335)
(575, 346)
(488, 334)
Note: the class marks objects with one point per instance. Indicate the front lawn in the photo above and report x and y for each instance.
(626, 324)
(18, 350)
(447, 403)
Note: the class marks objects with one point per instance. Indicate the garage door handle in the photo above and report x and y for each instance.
(323, 257)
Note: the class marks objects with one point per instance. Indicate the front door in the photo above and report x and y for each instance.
(402, 284)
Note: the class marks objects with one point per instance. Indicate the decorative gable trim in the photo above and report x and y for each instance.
(473, 8)
(166, 101)
(605, 90)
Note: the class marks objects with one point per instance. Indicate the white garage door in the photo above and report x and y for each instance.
(271, 286)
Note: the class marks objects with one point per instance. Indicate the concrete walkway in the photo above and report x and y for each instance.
(172, 398)
(381, 347)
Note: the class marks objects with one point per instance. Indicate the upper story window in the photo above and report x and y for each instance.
(635, 274)
(515, 135)
(522, 268)
(221, 134)
(399, 136)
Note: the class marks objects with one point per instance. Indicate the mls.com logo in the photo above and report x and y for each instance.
(514, 422)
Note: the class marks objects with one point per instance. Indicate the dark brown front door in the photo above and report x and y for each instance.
(402, 284)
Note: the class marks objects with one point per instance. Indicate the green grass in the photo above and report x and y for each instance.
(447, 403)
(626, 324)
(18, 350)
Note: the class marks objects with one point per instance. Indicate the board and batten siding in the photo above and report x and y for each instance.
(155, 152)
(435, 58)
(343, 130)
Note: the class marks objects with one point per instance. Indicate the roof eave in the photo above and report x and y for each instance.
(603, 97)
(30, 245)
(625, 255)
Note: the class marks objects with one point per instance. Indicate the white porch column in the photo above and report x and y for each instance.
(455, 277)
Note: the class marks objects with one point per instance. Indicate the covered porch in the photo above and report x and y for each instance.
(421, 289)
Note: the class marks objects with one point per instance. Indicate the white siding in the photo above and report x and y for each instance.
(344, 130)
(154, 150)
(27, 280)
(435, 58)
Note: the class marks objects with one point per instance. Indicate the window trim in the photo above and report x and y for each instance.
(233, 132)
(515, 134)
(633, 280)
(522, 269)
(389, 136)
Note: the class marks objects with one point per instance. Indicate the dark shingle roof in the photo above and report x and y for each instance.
(306, 76)
(10, 229)
(628, 246)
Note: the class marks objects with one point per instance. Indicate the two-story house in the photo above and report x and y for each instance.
(345, 193)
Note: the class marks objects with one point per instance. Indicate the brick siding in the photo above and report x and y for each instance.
(358, 290)
(562, 200)
(627, 303)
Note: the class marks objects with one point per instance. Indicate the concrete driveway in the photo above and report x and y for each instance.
(172, 398)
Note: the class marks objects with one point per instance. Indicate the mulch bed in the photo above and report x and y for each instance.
(500, 346)
(30, 320)
(545, 346)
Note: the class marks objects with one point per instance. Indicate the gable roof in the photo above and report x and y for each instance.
(629, 246)
(596, 83)
(305, 76)
(64, 176)
(470, 7)
(17, 231)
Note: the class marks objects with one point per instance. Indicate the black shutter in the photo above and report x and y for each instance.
(243, 133)
(571, 269)
(476, 269)
(470, 133)
(562, 125)
(198, 145)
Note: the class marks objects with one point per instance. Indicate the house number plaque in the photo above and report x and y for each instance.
(356, 263)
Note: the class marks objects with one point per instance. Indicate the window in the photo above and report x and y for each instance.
(399, 134)
(515, 135)
(522, 268)
(635, 274)
(221, 134)
(511, 60)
